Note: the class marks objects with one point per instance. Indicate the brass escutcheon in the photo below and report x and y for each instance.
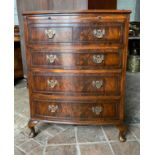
(53, 108)
(51, 58)
(97, 84)
(52, 83)
(98, 33)
(98, 58)
(97, 110)
(50, 33)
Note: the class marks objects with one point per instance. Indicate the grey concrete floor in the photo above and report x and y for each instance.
(54, 139)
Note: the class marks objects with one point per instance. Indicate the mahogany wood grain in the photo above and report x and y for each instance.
(76, 110)
(72, 84)
(74, 17)
(76, 32)
(76, 59)
(78, 12)
(68, 81)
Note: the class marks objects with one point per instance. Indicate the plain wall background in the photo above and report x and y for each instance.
(133, 5)
(15, 14)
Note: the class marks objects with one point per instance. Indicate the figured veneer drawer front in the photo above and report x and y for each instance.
(76, 33)
(82, 59)
(50, 34)
(81, 110)
(73, 84)
(100, 33)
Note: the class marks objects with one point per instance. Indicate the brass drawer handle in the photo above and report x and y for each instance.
(50, 33)
(97, 84)
(99, 17)
(98, 58)
(51, 58)
(53, 108)
(52, 83)
(98, 33)
(97, 110)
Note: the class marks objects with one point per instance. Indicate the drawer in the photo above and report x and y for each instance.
(77, 59)
(47, 33)
(102, 33)
(80, 18)
(75, 83)
(79, 110)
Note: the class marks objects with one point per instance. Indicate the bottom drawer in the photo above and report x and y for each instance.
(75, 110)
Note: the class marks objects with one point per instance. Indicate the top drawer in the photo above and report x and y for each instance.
(104, 33)
(84, 29)
(79, 18)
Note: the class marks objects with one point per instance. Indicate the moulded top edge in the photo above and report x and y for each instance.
(75, 12)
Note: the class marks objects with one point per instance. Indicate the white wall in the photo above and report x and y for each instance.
(15, 14)
(132, 5)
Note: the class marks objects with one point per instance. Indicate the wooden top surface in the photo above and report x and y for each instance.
(75, 12)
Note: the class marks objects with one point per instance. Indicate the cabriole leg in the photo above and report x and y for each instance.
(31, 125)
(122, 132)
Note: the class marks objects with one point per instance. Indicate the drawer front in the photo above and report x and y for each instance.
(82, 59)
(103, 33)
(81, 18)
(80, 110)
(55, 34)
(73, 84)
(100, 33)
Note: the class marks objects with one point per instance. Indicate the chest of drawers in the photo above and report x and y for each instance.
(76, 67)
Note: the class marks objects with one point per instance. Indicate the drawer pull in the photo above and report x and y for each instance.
(51, 58)
(99, 17)
(50, 33)
(97, 110)
(99, 33)
(53, 108)
(98, 58)
(49, 18)
(97, 84)
(52, 83)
